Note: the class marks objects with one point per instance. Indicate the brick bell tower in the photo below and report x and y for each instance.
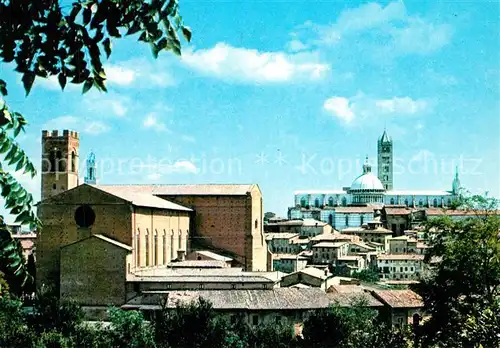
(59, 162)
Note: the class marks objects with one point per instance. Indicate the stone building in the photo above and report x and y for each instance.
(154, 228)
(151, 224)
(368, 190)
(59, 162)
(227, 218)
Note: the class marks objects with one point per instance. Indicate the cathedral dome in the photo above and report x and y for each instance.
(367, 181)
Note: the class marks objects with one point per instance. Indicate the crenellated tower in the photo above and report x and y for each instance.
(59, 162)
(385, 161)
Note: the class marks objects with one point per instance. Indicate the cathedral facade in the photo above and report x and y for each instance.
(354, 205)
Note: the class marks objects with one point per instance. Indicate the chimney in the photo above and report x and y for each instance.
(181, 255)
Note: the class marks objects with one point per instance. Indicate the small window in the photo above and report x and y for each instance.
(278, 319)
(256, 223)
(255, 320)
(53, 186)
(233, 286)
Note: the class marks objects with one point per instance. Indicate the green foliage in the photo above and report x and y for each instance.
(43, 39)
(268, 215)
(464, 286)
(128, 329)
(354, 327)
(52, 314)
(337, 326)
(194, 325)
(367, 275)
(13, 330)
(4, 286)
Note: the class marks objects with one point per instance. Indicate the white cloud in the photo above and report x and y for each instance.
(107, 104)
(119, 75)
(362, 106)
(404, 105)
(339, 107)
(154, 176)
(152, 121)
(372, 26)
(188, 138)
(139, 73)
(252, 66)
(182, 166)
(177, 167)
(78, 124)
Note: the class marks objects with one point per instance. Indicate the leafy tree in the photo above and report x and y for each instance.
(129, 329)
(462, 291)
(268, 215)
(193, 325)
(14, 333)
(268, 335)
(4, 286)
(367, 275)
(46, 38)
(337, 326)
(52, 314)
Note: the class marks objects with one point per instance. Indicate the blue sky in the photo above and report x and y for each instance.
(292, 95)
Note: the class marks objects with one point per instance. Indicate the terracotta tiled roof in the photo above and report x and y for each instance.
(139, 198)
(416, 257)
(347, 295)
(329, 245)
(278, 235)
(199, 264)
(362, 245)
(399, 298)
(195, 189)
(354, 230)
(398, 211)
(272, 299)
(287, 223)
(335, 236)
(313, 223)
(355, 209)
(213, 255)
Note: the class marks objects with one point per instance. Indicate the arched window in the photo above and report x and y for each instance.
(180, 241)
(420, 203)
(146, 246)
(73, 161)
(330, 201)
(449, 202)
(435, 202)
(406, 201)
(137, 249)
(256, 223)
(330, 219)
(164, 247)
(155, 249)
(344, 201)
(172, 245)
(362, 218)
(347, 220)
(316, 203)
(52, 160)
(303, 202)
(60, 162)
(392, 200)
